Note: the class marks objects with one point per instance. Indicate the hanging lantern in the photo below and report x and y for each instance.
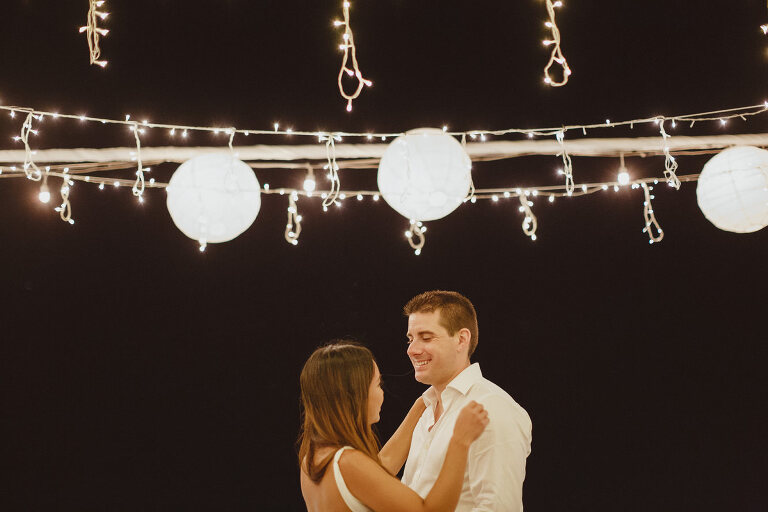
(733, 189)
(424, 174)
(213, 198)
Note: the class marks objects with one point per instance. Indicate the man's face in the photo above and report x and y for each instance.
(437, 357)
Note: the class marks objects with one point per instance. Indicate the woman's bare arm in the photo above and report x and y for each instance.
(395, 451)
(381, 491)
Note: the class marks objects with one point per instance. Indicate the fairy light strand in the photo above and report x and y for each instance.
(650, 217)
(415, 236)
(29, 162)
(350, 53)
(715, 115)
(530, 223)
(556, 56)
(293, 226)
(138, 186)
(670, 164)
(567, 164)
(65, 209)
(94, 32)
(333, 169)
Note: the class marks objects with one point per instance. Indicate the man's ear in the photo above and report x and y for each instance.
(464, 339)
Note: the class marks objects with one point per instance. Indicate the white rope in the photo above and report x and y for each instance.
(556, 55)
(279, 156)
(567, 164)
(650, 217)
(350, 50)
(293, 226)
(93, 31)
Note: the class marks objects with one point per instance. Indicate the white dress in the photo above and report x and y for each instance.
(353, 503)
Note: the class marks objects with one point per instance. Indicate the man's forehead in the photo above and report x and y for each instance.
(423, 320)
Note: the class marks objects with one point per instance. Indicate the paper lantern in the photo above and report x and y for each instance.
(213, 198)
(733, 189)
(424, 174)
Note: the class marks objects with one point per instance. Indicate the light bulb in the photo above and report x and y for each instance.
(44, 195)
(623, 177)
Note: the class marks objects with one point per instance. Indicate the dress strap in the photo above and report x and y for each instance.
(353, 503)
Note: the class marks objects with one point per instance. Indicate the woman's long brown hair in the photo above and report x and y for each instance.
(334, 396)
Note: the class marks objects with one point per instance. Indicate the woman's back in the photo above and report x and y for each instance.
(326, 495)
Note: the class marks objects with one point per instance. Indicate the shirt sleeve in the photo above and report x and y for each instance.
(496, 466)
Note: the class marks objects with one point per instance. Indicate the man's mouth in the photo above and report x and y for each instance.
(421, 364)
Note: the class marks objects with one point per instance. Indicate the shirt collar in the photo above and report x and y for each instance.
(462, 383)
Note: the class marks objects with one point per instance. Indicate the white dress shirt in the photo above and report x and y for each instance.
(495, 471)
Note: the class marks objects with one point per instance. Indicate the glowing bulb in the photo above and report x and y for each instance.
(623, 178)
(551, 199)
(45, 194)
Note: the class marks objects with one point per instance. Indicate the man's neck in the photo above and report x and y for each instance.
(444, 384)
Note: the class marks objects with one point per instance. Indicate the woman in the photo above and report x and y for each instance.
(342, 468)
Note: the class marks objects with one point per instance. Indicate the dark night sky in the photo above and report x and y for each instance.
(138, 374)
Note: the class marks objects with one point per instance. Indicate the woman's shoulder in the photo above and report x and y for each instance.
(354, 460)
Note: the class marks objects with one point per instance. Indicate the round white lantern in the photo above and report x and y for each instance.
(733, 189)
(424, 174)
(213, 198)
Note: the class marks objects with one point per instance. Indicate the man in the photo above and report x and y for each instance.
(442, 336)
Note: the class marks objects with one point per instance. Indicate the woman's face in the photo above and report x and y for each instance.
(375, 396)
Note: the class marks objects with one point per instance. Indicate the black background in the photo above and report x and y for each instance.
(141, 374)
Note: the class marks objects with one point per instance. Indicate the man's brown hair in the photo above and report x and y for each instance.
(456, 312)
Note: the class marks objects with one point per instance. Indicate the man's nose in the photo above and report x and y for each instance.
(414, 348)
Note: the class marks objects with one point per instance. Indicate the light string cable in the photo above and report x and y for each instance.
(65, 210)
(138, 186)
(332, 167)
(556, 55)
(293, 226)
(471, 193)
(670, 164)
(350, 50)
(715, 115)
(29, 162)
(530, 223)
(94, 32)
(567, 169)
(650, 216)
(416, 231)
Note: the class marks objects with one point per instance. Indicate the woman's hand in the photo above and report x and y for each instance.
(472, 420)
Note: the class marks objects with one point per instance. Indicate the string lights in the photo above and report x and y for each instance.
(556, 55)
(670, 164)
(349, 50)
(293, 226)
(567, 169)
(530, 223)
(334, 195)
(65, 209)
(94, 32)
(651, 223)
(333, 170)
(138, 186)
(415, 236)
(29, 163)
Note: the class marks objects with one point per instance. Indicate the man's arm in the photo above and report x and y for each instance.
(395, 451)
(496, 465)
